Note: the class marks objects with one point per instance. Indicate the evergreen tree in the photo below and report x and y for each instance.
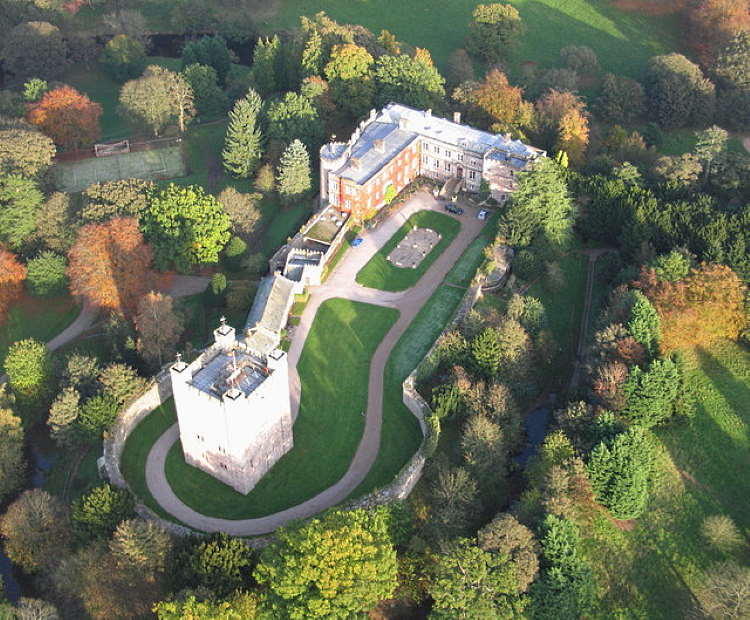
(211, 51)
(644, 323)
(652, 393)
(540, 205)
(710, 144)
(620, 473)
(312, 55)
(209, 99)
(265, 65)
(733, 63)
(294, 172)
(97, 513)
(141, 544)
(244, 140)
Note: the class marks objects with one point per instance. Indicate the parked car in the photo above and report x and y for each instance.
(357, 242)
(482, 215)
(451, 208)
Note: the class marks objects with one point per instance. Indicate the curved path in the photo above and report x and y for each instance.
(340, 284)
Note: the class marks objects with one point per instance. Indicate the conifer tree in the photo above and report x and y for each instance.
(312, 55)
(244, 140)
(265, 62)
(644, 323)
(294, 172)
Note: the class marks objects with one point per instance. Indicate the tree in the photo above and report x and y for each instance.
(36, 530)
(241, 606)
(81, 373)
(681, 171)
(144, 545)
(621, 100)
(541, 206)
(493, 31)
(123, 58)
(121, 383)
(505, 535)
(34, 88)
(20, 200)
(35, 49)
(295, 118)
(332, 567)
(710, 144)
(485, 453)
(99, 511)
(678, 92)
(468, 582)
(46, 274)
(406, 80)
(566, 589)
(186, 226)
(25, 152)
(110, 265)
(243, 145)
(726, 591)
(620, 473)
(208, 51)
(243, 212)
(157, 99)
(732, 66)
(265, 181)
(651, 394)
(97, 415)
(12, 275)
(348, 74)
(29, 369)
(63, 418)
(55, 225)
(12, 459)
(722, 533)
(35, 609)
(265, 65)
(580, 58)
(453, 500)
(501, 105)
(562, 123)
(209, 99)
(460, 68)
(671, 267)
(711, 23)
(294, 172)
(110, 199)
(311, 60)
(644, 323)
(68, 117)
(159, 328)
(218, 563)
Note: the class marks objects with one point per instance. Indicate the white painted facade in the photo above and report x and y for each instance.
(234, 429)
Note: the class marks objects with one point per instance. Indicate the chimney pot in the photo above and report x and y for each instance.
(457, 118)
(428, 112)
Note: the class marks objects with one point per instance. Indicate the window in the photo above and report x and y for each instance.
(448, 166)
(436, 149)
(348, 204)
(460, 157)
(425, 160)
(201, 437)
(472, 174)
(448, 154)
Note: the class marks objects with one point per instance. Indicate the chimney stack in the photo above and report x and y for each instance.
(428, 112)
(457, 118)
(403, 123)
(379, 145)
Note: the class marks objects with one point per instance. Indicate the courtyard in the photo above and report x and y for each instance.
(413, 248)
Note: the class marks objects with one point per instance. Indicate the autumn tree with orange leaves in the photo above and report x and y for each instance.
(712, 23)
(110, 265)
(705, 306)
(12, 275)
(562, 123)
(70, 118)
(499, 105)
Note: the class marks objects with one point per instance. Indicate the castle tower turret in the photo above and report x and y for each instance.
(224, 336)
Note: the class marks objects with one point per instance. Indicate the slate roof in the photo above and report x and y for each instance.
(271, 304)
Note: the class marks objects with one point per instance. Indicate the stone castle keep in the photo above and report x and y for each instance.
(233, 410)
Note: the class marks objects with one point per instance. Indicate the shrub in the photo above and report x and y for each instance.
(97, 513)
(526, 265)
(234, 252)
(123, 58)
(34, 88)
(46, 274)
(722, 533)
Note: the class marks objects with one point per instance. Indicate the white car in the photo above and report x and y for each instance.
(482, 215)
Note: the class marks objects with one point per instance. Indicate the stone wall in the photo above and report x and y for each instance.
(159, 391)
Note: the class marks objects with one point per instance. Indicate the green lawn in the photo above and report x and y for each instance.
(36, 317)
(334, 369)
(662, 560)
(623, 41)
(137, 447)
(401, 434)
(381, 274)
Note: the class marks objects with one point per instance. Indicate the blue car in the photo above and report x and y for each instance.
(357, 242)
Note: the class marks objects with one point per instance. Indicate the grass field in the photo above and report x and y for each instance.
(36, 317)
(334, 370)
(661, 563)
(623, 41)
(137, 447)
(401, 434)
(381, 274)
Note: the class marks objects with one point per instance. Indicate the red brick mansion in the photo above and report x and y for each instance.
(392, 148)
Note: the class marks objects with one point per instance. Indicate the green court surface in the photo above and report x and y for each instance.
(164, 163)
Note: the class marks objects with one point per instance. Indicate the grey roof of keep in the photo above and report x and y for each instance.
(227, 370)
(271, 304)
(387, 127)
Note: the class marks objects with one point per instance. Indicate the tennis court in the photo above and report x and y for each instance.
(152, 164)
